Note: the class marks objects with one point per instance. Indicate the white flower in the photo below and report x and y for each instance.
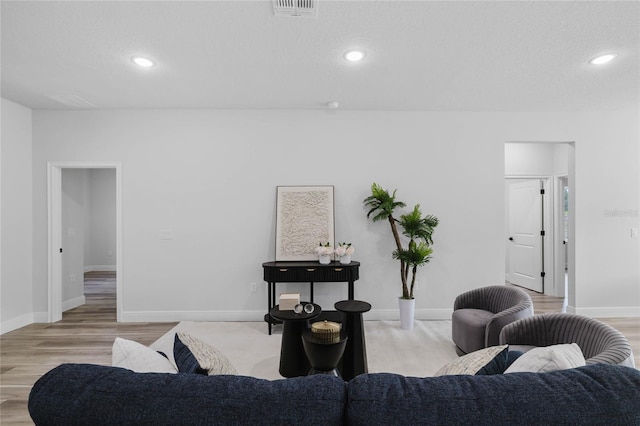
(344, 249)
(324, 250)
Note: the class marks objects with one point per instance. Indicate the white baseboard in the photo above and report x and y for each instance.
(40, 317)
(420, 314)
(100, 268)
(176, 316)
(16, 323)
(73, 303)
(23, 321)
(602, 312)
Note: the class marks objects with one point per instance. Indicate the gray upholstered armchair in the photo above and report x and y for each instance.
(479, 315)
(599, 342)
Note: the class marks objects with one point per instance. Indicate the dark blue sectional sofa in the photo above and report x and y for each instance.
(83, 394)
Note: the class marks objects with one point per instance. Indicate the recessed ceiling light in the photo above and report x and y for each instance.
(603, 59)
(142, 61)
(354, 55)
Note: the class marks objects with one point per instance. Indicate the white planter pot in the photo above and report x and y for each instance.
(346, 259)
(325, 260)
(407, 312)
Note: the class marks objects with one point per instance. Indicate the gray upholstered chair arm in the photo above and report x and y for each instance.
(492, 333)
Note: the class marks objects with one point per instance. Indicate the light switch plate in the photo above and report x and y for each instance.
(165, 234)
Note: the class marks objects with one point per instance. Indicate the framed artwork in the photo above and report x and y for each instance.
(304, 219)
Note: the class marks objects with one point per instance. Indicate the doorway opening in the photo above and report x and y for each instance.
(538, 216)
(85, 232)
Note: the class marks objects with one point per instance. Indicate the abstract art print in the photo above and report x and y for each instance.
(304, 219)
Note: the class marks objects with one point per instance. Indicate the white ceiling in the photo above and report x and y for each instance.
(421, 55)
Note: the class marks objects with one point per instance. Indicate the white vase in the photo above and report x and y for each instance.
(324, 259)
(407, 312)
(346, 259)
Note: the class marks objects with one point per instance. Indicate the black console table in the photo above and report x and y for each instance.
(310, 272)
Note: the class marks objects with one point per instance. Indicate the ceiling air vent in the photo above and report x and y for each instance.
(296, 8)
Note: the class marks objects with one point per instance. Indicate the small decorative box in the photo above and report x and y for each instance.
(288, 301)
(326, 330)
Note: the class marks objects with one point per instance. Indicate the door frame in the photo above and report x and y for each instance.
(548, 260)
(54, 224)
(561, 249)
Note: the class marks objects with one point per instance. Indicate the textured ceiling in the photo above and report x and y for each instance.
(421, 55)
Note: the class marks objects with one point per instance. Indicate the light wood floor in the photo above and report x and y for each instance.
(86, 334)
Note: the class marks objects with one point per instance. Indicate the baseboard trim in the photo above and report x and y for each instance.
(602, 312)
(176, 316)
(73, 303)
(420, 314)
(16, 323)
(40, 317)
(100, 268)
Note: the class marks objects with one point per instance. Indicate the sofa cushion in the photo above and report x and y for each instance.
(492, 360)
(139, 358)
(592, 395)
(192, 355)
(83, 394)
(549, 358)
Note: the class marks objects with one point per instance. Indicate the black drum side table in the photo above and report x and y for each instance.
(293, 360)
(324, 356)
(354, 360)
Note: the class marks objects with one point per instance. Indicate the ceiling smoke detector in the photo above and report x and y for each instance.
(296, 8)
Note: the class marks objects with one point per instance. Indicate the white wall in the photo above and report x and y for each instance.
(529, 159)
(16, 291)
(100, 248)
(210, 177)
(74, 205)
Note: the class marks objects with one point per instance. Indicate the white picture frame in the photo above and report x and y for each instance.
(304, 219)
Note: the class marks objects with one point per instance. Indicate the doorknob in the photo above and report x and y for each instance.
(510, 238)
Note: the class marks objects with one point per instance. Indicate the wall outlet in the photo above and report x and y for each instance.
(253, 287)
(72, 277)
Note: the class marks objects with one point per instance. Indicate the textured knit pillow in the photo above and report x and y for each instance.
(192, 355)
(549, 358)
(139, 358)
(491, 360)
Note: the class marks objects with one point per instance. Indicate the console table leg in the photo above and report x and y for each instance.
(269, 291)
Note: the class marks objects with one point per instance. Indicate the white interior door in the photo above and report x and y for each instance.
(525, 241)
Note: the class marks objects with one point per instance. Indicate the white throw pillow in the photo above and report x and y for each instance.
(473, 362)
(548, 358)
(139, 358)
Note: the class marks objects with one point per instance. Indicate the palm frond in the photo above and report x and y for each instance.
(381, 204)
(417, 254)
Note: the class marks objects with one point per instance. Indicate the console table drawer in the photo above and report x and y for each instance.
(310, 274)
(282, 275)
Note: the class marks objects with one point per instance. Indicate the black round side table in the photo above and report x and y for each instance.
(323, 354)
(293, 361)
(354, 359)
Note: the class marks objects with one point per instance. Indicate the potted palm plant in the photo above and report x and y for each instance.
(418, 229)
